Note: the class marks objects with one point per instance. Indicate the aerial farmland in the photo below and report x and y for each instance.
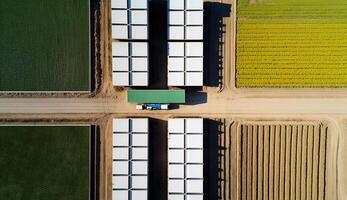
(300, 43)
(173, 99)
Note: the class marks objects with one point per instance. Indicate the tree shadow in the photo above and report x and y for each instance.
(213, 42)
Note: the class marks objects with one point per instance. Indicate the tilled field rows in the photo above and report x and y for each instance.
(280, 161)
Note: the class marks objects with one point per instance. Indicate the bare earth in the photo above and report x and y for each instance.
(239, 109)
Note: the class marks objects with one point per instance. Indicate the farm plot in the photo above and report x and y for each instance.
(44, 45)
(44, 162)
(291, 43)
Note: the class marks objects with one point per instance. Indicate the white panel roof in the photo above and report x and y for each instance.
(120, 139)
(139, 125)
(176, 48)
(194, 4)
(176, 186)
(176, 141)
(140, 153)
(195, 197)
(176, 156)
(194, 125)
(120, 64)
(120, 78)
(120, 195)
(139, 79)
(120, 167)
(140, 139)
(194, 186)
(176, 4)
(120, 153)
(194, 64)
(194, 141)
(176, 125)
(194, 171)
(176, 64)
(176, 171)
(139, 167)
(194, 49)
(138, 4)
(139, 64)
(138, 17)
(176, 78)
(139, 182)
(120, 125)
(139, 194)
(176, 17)
(120, 31)
(119, 17)
(176, 32)
(120, 182)
(140, 49)
(120, 4)
(194, 17)
(194, 33)
(194, 156)
(194, 78)
(120, 49)
(139, 32)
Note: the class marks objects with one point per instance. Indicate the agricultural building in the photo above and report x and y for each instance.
(156, 96)
(130, 63)
(185, 159)
(130, 159)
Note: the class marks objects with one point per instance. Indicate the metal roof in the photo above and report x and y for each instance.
(156, 96)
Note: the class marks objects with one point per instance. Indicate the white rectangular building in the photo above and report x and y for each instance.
(129, 19)
(185, 64)
(185, 159)
(185, 19)
(130, 63)
(130, 159)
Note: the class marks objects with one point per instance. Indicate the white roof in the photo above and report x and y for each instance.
(139, 139)
(194, 79)
(176, 141)
(176, 64)
(138, 4)
(120, 182)
(139, 17)
(194, 33)
(194, 141)
(120, 31)
(194, 156)
(176, 78)
(139, 49)
(120, 167)
(120, 139)
(176, 125)
(194, 171)
(194, 125)
(176, 32)
(176, 17)
(176, 156)
(139, 125)
(194, 4)
(120, 78)
(176, 171)
(119, 4)
(176, 197)
(176, 48)
(194, 49)
(176, 186)
(120, 153)
(139, 153)
(139, 182)
(194, 186)
(138, 194)
(194, 64)
(139, 167)
(120, 125)
(139, 79)
(139, 32)
(176, 4)
(120, 64)
(139, 64)
(120, 49)
(194, 18)
(119, 17)
(195, 197)
(120, 194)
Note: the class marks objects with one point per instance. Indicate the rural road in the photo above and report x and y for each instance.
(215, 106)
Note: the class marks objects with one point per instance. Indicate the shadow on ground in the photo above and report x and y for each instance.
(213, 42)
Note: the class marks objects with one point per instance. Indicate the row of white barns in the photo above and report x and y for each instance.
(185, 64)
(129, 19)
(185, 19)
(130, 63)
(185, 159)
(130, 159)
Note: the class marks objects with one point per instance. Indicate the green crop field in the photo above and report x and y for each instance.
(44, 163)
(44, 45)
(291, 43)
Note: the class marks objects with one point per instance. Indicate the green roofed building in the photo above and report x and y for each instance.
(156, 96)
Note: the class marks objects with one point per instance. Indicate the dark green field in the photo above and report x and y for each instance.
(44, 163)
(44, 45)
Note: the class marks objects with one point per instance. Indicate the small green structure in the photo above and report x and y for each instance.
(156, 96)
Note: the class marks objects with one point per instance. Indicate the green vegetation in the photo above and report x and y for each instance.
(44, 45)
(41, 163)
(156, 96)
(292, 43)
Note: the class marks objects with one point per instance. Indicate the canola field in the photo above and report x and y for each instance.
(291, 43)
